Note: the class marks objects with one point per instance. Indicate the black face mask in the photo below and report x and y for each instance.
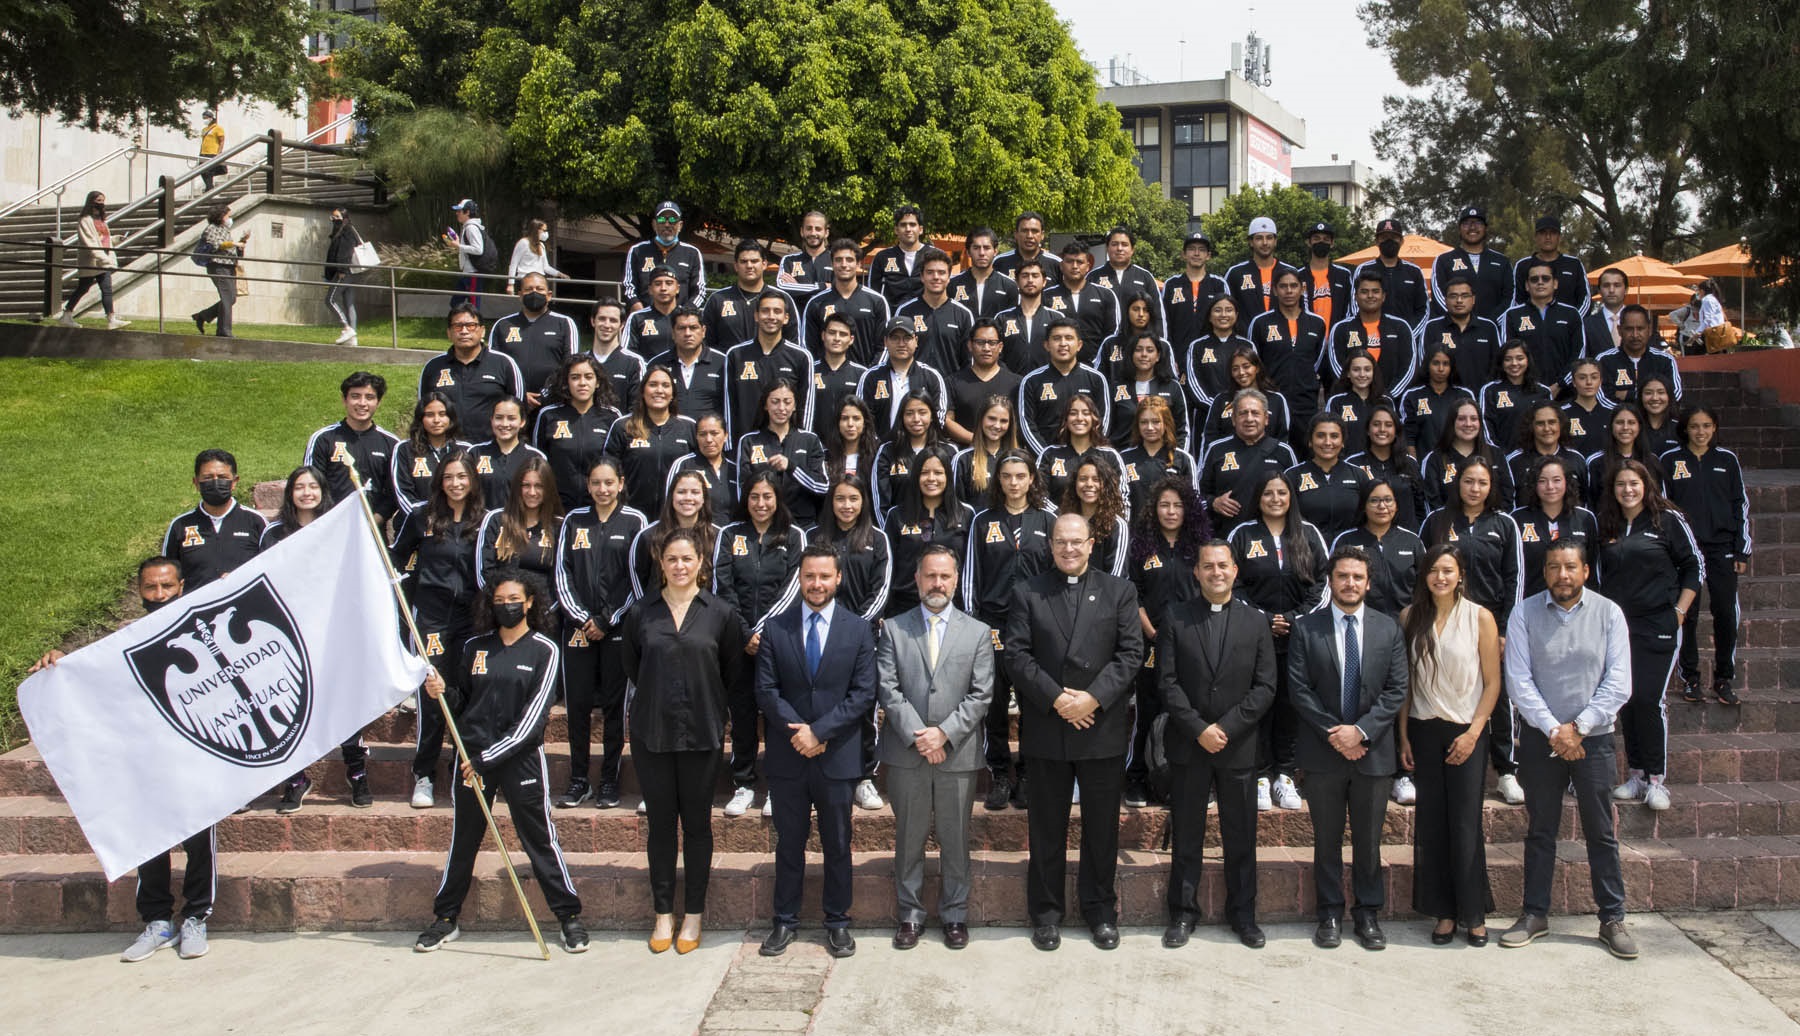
(1388, 248)
(1321, 249)
(150, 606)
(509, 614)
(536, 300)
(215, 491)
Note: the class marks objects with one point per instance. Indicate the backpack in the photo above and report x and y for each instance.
(203, 253)
(1156, 758)
(489, 259)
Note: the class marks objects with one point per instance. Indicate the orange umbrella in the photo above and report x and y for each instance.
(1646, 271)
(1413, 248)
(1730, 261)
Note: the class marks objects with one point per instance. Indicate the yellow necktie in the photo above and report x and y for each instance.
(931, 642)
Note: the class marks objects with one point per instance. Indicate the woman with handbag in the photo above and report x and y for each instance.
(341, 262)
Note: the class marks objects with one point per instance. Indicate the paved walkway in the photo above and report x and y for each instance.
(1731, 972)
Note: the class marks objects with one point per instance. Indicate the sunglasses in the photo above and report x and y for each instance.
(668, 219)
(1540, 280)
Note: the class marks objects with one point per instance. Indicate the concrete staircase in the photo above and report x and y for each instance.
(1730, 840)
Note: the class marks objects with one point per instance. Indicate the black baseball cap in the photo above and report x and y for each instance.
(901, 326)
(1390, 226)
(662, 271)
(1321, 228)
(1549, 223)
(1197, 238)
(1473, 212)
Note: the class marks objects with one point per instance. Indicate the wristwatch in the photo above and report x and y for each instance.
(1580, 729)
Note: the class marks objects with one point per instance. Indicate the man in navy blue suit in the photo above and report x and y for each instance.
(815, 684)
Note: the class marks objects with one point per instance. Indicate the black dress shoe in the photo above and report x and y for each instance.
(999, 793)
(778, 941)
(839, 942)
(1328, 936)
(1019, 799)
(1477, 940)
(1368, 932)
(1106, 935)
(907, 935)
(1251, 935)
(1046, 937)
(1443, 938)
(1176, 935)
(956, 935)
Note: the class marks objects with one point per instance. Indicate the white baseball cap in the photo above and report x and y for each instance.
(1262, 225)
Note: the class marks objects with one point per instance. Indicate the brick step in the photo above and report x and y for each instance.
(39, 825)
(1730, 758)
(1762, 627)
(1769, 672)
(293, 891)
(1762, 712)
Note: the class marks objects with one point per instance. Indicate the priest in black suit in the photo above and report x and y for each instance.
(1347, 678)
(1216, 673)
(1073, 643)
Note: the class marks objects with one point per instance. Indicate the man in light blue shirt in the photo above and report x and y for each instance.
(1568, 672)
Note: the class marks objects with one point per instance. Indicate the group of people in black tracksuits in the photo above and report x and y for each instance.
(1287, 409)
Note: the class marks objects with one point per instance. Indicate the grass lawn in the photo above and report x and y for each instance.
(415, 332)
(98, 457)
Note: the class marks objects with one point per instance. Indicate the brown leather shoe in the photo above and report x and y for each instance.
(907, 935)
(956, 935)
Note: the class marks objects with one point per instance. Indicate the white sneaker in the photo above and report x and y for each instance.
(1263, 802)
(349, 335)
(193, 939)
(1286, 795)
(768, 805)
(156, 935)
(1510, 790)
(741, 801)
(1075, 794)
(866, 795)
(1633, 788)
(114, 323)
(411, 704)
(1404, 792)
(1656, 796)
(67, 319)
(422, 794)
(643, 807)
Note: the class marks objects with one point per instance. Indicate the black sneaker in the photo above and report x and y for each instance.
(608, 798)
(579, 792)
(574, 935)
(1722, 691)
(293, 795)
(360, 796)
(1018, 795)
(1137, 793)
(998, 793)
(442, 930)
(1692, 692)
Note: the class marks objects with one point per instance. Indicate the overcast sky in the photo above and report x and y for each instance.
(1323, 68)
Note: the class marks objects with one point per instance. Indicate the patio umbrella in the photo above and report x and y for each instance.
(1413, 248)
(1646, 271)
(1730, 261)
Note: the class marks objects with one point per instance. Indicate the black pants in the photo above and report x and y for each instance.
(521, 779)
(82, 284)
(998, 750)
(1544, 778)
(1722, 598)
(1450, 876)
(1500, 735)
(678, 792)
(1278, 731)
(1193, 783)
(210, 170)
(199, 882)
(356, 758)
(1645, 718)
(871, 737)
(1047, 825)
(594, 678)
(445, 624)
(741, 703)
(1149, 706)
(1330, 796)
(796, 798)
(224, 278)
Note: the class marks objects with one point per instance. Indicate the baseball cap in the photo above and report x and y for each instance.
(1390, 226)
(668, 206)
(1198, 238)
(902, 326)
(466, 205)
(1472, 212)
(1549, 223)
(1262, 225)
(1320, 228)
(662, 271)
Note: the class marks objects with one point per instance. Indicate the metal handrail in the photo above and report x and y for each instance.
(328, 127)
(61, 185)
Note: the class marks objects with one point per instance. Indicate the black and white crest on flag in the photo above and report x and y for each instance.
(232, 676)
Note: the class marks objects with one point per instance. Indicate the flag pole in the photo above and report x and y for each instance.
(462, 753)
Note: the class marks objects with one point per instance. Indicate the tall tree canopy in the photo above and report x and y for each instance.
(102, 64)
(751, 113)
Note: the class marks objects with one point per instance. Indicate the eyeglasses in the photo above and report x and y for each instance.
(1539, 279)
(1379, 501)
(668, 219)
(465, 325)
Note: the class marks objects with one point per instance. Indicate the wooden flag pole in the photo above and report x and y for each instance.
(462, 753)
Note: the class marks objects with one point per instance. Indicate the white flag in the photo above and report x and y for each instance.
(170, 724)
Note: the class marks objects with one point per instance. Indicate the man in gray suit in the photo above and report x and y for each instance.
(1347, 680)
(935, 668)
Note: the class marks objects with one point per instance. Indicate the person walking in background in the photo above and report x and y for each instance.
(222, 249)
(475, 253)
(338, 251)
(212, 143)
(95, 262)
(531, 254)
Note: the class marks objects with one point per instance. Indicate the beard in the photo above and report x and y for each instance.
(937, 602)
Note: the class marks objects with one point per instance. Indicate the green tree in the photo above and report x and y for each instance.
(103, 65)
(1293, 209)
(1530, 108)
(1159, 224)
(750, 113)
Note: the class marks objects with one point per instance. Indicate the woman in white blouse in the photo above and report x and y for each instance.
(530, 255)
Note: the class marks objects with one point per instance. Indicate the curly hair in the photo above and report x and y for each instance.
(1110, 506)
(1146, 531)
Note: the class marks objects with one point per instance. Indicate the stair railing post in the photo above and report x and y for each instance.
(50, 292)
(393, 308)
(272, 178)
(166, 210)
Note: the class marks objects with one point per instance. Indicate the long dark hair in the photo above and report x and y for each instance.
(438, 514)
(1490, 502)
(1612, 517)
(862, 531)
(1572, 491)
(762, 409)
(417, 435)
(1294, 544)
(513, 533)
(603, 390)
(290, 515)
(912, 503)
(702, 546)
(1528, 377)
(1109, 508)
(638, 424)
(1034, 494)
(1377, 384)
(93, 206)
(1434, 349)
(1420, 622)
(836, 449)
(1447, 438)
(1096, 435)
(1146, 532)
(667, 522)
(779, 522)
(537, 616)
(899, 436)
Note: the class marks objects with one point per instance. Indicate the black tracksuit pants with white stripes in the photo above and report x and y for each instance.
(1722, 599)
(521, 779)
(156, 900)
(1644, 719)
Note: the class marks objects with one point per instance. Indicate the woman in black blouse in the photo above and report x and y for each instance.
(683, 649)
